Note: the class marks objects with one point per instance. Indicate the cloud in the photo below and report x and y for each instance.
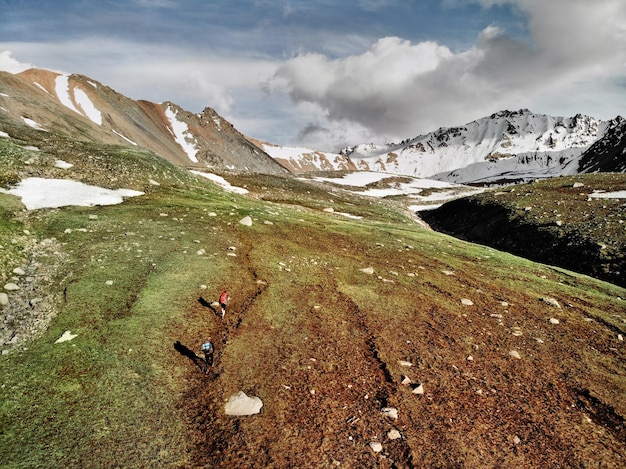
(397, 89)
(11, 65)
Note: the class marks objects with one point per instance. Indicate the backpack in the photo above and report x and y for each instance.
(207, 347)
(224, 297)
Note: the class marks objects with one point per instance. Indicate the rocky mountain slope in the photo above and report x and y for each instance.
(82, 108)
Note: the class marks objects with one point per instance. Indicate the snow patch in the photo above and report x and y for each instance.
(62, 164)
(608, 195)
(52, 193)
(32, 123)
(125, 138)
(62, 89)
(182, 134)
(41, 87)
(222, 182)
(85, 103)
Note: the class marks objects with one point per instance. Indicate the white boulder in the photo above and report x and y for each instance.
(246, 221)
(241, 405)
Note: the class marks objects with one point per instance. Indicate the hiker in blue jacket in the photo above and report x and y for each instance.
(207, 349)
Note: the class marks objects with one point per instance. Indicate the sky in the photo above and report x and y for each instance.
(328, 74)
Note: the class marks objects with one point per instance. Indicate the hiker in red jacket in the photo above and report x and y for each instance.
(224, 302)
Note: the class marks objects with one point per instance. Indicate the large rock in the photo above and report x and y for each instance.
(246, 221)
(240, 405)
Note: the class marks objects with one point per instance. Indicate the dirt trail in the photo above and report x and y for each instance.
(329, 411)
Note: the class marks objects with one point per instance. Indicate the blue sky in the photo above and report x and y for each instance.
(327, 74)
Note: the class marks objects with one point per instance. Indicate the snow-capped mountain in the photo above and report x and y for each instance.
(504, 146)
(84, 109)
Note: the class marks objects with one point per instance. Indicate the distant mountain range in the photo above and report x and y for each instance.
(504, 147)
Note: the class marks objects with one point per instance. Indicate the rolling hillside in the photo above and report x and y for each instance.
(371, 341)
(363, 338)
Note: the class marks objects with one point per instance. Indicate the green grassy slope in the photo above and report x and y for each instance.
(317, 339)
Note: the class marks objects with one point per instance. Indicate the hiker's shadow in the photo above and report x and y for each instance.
(186, 352)
(209, 305)
(203, 366)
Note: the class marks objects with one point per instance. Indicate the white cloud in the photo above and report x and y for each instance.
(9, 64)
(397, 88)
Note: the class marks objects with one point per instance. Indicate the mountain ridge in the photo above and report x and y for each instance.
(507, 146)
(84, 108)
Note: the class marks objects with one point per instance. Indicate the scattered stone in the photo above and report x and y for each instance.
(405, 363)
(67, 336)
(406, 380)
(390, 412)
(267, 222)
(576, 185)
(515, 354)
(4, 299)
(620, 337)
(551, 301)
(517, 440)
(19, 271)
(203, 287)
(11, 287)
(367, 270)
(419, 389)
(329, 210)
(467, 302)
(394, 434)
(212, 214)
(554, 321)
(246, 221)
(241, 405)
(497, 316)
(109, 282)
(376, 446)
(201, 252)
(470, 358)
(93, 217)
(447, 272)
(504, 303)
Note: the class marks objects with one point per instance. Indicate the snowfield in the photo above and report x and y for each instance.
(53, 193)
(427, 193)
